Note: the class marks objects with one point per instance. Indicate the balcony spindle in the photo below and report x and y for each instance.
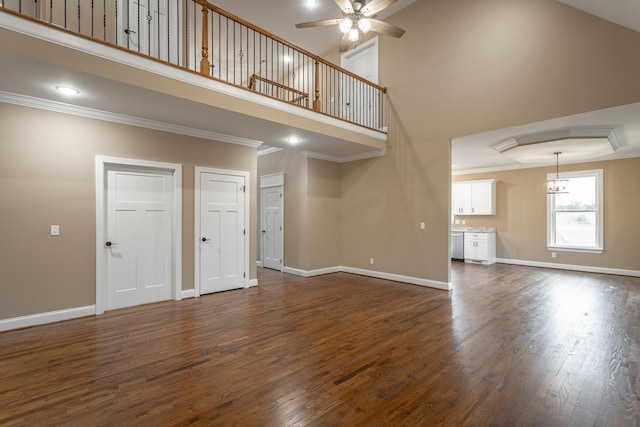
(316, 87)
(205, 66)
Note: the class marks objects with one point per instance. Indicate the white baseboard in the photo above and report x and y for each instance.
(253, 282)
(311, 273)
(399, 278)
(585, 268)
(188, 293)
(49, 317)
(378, 274)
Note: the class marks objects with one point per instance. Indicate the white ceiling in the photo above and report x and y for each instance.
(621, 12)
(476, 153)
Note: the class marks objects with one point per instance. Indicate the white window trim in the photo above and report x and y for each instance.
(599, 212)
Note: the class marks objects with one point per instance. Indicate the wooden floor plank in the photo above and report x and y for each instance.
(508, 345)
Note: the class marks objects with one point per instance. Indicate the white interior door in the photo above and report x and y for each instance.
(360, 103)
(222, 232)
(271, 205)
(153, 28)
(139, 237)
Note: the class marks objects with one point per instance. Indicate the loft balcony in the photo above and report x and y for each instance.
(186, 67)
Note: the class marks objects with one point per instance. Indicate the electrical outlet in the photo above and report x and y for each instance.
(463, 222)
(55, 230)
(371, 261)
(553, 254)
(422, 226)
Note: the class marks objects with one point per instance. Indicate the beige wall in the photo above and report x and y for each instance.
(521, 215)
(294, 167)
(311, 208)
(323, 214)
(465, 67)
(47, 177)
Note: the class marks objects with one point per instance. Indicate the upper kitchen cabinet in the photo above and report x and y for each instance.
(474, 197)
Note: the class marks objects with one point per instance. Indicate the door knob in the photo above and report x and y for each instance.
(109, 243)
(264, 231)
(204, 239)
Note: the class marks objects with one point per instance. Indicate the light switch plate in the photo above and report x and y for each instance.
(55, 230)
(422, 226)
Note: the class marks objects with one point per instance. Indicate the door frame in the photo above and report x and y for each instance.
(268, 181)
(102, 165)
(196, 226)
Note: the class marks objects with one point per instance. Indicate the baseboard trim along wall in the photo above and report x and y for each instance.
(191, 293)
(49, 317)
(188, 293)
(377, 274)
(311, 273)
(584, 268)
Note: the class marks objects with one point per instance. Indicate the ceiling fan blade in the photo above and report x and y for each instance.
(345, 5)
(318, 23)
(376, 6)
(386, 28)
(345, 43)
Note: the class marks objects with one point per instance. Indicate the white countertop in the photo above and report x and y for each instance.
(473, 229)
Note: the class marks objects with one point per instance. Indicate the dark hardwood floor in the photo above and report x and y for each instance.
(508, 346)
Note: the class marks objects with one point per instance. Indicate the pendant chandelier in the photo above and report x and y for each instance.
(557, 185)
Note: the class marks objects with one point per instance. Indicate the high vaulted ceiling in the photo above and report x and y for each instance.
(280, 16)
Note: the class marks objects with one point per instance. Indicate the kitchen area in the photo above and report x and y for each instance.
(476, 245)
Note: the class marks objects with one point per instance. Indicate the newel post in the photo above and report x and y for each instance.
(316, 101)
(205, 65)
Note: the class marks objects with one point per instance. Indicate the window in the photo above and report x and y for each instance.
(574, 220)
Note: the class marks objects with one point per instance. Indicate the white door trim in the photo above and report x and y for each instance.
(196, 229)
(102, 164)
(268, 181)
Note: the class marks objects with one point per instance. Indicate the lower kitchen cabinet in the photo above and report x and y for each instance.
(480, 248)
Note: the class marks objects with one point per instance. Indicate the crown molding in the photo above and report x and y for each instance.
(344, 159)
(269, 150)
(60, 107)
(579, 132)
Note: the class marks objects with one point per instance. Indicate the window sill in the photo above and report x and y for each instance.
(579, 250)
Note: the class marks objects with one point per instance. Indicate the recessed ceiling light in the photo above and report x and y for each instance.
(287, 58)
(310, 3)
(69, 91)
(293, 139)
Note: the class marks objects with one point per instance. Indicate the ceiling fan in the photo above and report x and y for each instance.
(358, 16)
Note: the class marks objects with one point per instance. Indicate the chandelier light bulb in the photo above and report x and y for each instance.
(364, 24)
(354, 35)
(345, 25)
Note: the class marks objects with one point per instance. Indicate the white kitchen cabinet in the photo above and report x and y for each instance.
(474, 197)
(480, 248)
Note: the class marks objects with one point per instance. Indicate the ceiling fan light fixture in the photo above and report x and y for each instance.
(364, 24)
(345, 25)
(354, 35)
